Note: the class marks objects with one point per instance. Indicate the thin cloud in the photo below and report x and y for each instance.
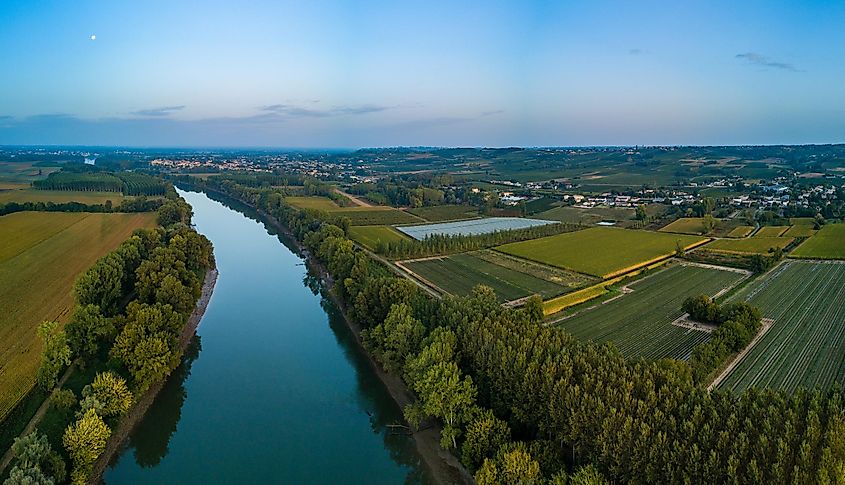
(755, 59)
(159, 112)
(635, 52)
(293, 111)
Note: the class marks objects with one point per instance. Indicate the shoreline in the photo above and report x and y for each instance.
(133, 417)
(443, 466)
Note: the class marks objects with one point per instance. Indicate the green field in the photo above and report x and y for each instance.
(751, 245)
(370, 236)
(802, 221)
(21, 174)
(806, 344)
(439, 213)
(41, 254)
(59, 196)
(312, 202)
(639, 323)
(578, 215)
(460, 273)
(802, 230)
(376, 216)
(741, 231)
(828, 243)
(686, 225)
(771, 231)
(601, 251)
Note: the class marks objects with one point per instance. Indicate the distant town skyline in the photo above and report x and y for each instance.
(370, 74)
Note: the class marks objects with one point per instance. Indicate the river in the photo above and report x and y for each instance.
(274, 388)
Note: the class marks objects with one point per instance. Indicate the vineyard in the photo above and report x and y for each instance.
(37, 269)
(828, 243)
(460, 273)
(639, 323)
(750, 245)
(806, 344)
(127, 183)
(686, 225)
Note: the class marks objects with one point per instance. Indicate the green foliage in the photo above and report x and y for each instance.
(513, 464)
(55, 354)
(35, 462)
(447, 395)
(485, 434)
(587, 475)
(85, 440)
(110, 392)
(102, 284)
(63, 400)
(173, 212)
(87, 330)
(148, 344)
(393, 340)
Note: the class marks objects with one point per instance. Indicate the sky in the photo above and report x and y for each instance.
(344, 74)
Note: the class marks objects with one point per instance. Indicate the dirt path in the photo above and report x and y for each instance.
(36, 418)
(767, 324)
(355, 200)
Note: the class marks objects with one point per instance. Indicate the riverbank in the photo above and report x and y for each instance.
(127, 423)
(443, 467)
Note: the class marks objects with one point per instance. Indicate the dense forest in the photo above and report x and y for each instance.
(131, 309)
(520, 402)
(85, 178)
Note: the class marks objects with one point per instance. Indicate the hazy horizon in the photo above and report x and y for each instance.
(383, 74)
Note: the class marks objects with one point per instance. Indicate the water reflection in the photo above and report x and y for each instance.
(163, 416)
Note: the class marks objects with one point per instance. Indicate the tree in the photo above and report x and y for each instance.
(534, 308)
(35, 461)
(102, 284)
(512, 465)
(111, 392)
(708, 223)
(641, 215)
(587, 475)
(393, 340)
(87, 329)
(55, 354)
(444, 394)
(485, 434)
(85, 440)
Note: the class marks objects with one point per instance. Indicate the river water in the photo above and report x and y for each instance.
(273, 388)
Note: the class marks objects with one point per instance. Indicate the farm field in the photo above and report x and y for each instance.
(438, 213)
(20, 174)
(685, 225)
(800, 231)
(741, 231)
(591, 216)
(59, 196)
(751, 245)
(601, 251)
(370, 236)
(460, 273)
(376, 215)
(41, 254)
(802, 221)
(828, 243)
(472, 226)
(771, 231)
(640, 323)
(312, 202)
(806, 344)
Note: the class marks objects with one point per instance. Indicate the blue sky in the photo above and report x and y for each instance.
(352, 74)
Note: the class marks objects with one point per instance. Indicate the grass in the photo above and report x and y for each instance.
(806, 344)
(601, 251)
(771, 231)
(751, 245)
(312, 202)
(639, 323)
(741, 231)
(828, 243)
(802, 221)
(460, 273)
(686, 225)
(439, 213)
(41, 254)
(59, 196)
(370, 236)
(800, 231)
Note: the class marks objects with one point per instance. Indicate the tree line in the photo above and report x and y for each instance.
(140, 204)
(131, 309)
(520, 402)
(93, 180)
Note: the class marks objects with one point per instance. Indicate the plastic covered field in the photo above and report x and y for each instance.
(472, 227)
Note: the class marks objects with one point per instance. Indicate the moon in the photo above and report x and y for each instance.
(93, 37)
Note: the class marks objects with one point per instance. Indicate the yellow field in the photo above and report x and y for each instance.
(312, 202)
(41, 254)
(59, 196)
